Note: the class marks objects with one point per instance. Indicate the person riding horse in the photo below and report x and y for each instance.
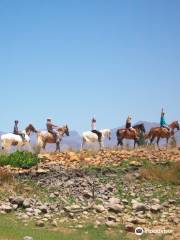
(16, 130)
(129, 125)
(94, 130)
(51, 128)
(163, 123)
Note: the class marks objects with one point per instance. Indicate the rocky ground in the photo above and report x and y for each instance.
(127, 188)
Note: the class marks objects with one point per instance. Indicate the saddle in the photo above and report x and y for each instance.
(165, 128)
(22, 135)
(54, 135)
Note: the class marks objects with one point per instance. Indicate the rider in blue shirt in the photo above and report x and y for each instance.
(163, 121)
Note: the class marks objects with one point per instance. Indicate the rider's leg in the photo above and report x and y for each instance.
(22, 135)
(158, 138)
(99, 134)
(57, 136)
(167, 127)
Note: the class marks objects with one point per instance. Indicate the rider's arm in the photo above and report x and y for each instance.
(54, 126)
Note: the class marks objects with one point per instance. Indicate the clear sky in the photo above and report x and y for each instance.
(71, 60)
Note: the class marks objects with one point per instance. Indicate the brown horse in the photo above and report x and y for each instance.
(45, 137)
(162, 132)
(130, 134)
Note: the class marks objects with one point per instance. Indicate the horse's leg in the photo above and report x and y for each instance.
(82, 143)
(58, 146)
(121, 142)
(158, 138)
(100, 145)
(135, 141)
(44, 145)
(152, 139)
(118, 142)
(167, 140)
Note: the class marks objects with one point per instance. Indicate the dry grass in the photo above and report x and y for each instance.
(169, 173)
(6, 177)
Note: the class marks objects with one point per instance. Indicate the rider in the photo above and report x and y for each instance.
(16, 130)
(163, 123)
(129, 125)
(51, 129)
(93, 127)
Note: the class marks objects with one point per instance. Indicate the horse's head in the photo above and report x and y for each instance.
(64, 130)
(106, 133)
(174, 125)
(30, 128)
(140, 127)
(143, 128)
(177, 125)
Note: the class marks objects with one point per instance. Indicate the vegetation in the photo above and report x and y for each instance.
(22, 159)
(12, 229)
(173, 142)
(142, 141)
(169, 173)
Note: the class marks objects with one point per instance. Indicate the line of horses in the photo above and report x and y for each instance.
(44, 137)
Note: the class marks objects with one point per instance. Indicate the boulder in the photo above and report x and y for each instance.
(129, 227)
(26, 203)
(117, 208)
(27, 238)
(40, 223)
(114, 200)
(111, 224)
(155, 208)
(6, 208)
(137, 206)
(17, 200)
(99, 208)
(43, 208)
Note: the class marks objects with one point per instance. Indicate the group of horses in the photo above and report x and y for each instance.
(44, 137)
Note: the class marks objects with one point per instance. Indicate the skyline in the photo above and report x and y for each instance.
(72, 60)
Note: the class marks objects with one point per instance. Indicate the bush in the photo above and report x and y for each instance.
(22, 159)
(169, 173)
(142, 141)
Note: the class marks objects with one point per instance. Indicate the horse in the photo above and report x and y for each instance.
(162, 132)
(45, 137)
(90, 137)
(130, 134)
(10, 139)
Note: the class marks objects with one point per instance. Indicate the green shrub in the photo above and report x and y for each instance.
(4, 160)
(23, 159)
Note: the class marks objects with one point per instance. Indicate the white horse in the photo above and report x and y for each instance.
(90, 137)
(10, 139)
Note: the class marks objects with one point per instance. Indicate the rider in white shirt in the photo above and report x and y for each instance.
(94, 130)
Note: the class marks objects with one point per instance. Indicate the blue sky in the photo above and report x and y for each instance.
(73, 59)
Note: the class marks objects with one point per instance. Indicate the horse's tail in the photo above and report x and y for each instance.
(3, 142)
(117, 133)
(39, 140)
(84, 138)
